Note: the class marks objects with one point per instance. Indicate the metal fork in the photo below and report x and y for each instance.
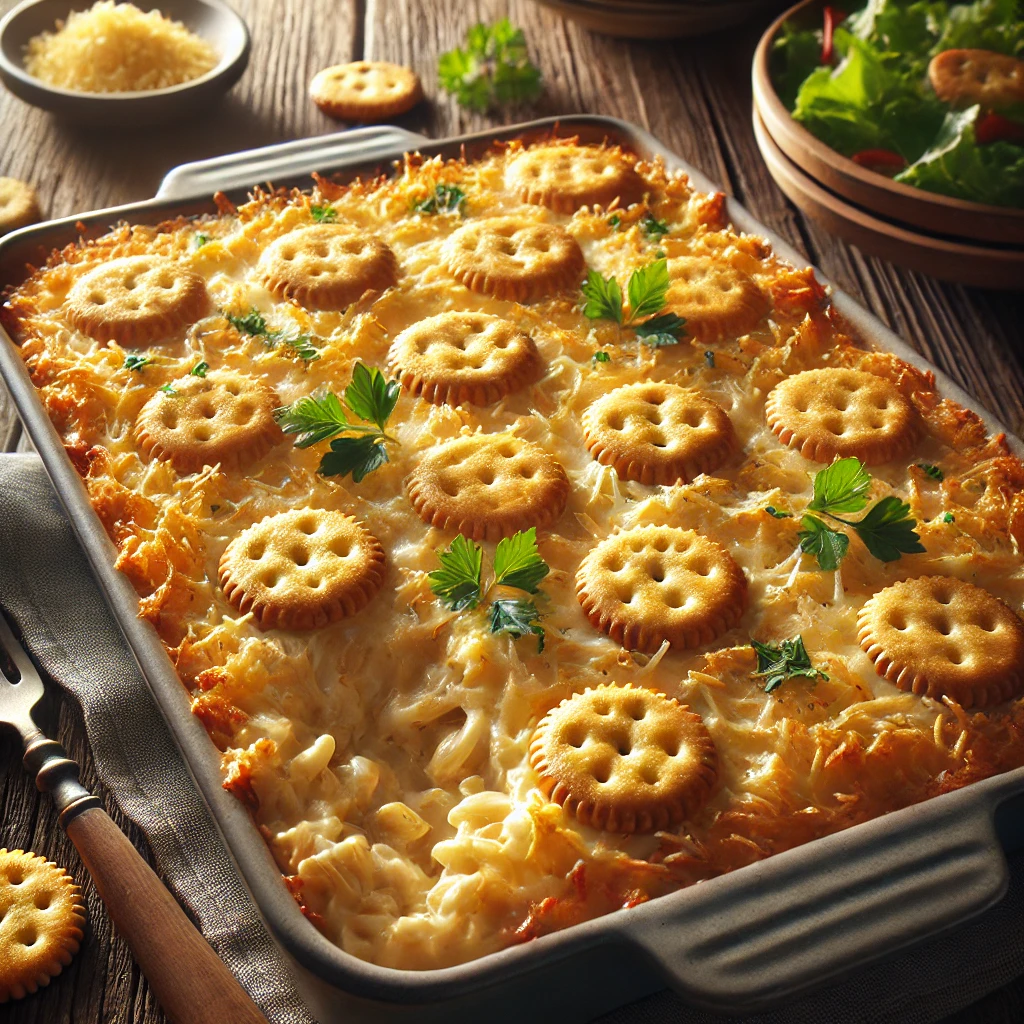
(188, 979)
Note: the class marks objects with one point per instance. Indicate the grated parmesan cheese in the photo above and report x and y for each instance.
(118, 48)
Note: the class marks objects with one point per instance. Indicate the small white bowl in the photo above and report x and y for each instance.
(212, 20)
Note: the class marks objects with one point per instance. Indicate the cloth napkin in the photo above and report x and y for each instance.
(46, 586)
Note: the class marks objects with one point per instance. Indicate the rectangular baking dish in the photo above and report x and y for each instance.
(739, 943)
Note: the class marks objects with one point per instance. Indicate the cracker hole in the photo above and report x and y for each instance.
(28, 936)
(270, 580)
(202, 432)
(307, 526)
(341, 547)
(649, 775)
(299, 554)
(256, 551)
(43, 901)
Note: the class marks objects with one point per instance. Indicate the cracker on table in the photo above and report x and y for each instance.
(365, 90)
(503, 257)
(326, 266)
(564, 178)
(658, 433)
(837, 412)
(223, 418)
(939, 636)
(41, 922)
(488, 486)
(136, 300)
(716, 300)
(302, 569)
(453, 358)
(19, 204)
(650, 584)
(625, 759)
(965, 77)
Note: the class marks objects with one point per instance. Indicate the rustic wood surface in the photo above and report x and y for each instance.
(694, 95)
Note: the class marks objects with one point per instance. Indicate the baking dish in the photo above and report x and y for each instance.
(737, 943)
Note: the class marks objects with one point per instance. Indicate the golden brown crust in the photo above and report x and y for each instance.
(488, 486)
(716, 300)
(224, 418)
(656, 583)
(19, 204)
(837, 412)
(501, 256)
(136, 300)
(965, 77)
(41, 922)
(302, 569)
(938, 636)
(625, 759)
(365, 91)
(453, 358)
(326, 266)
(564, 178)
(658, 433)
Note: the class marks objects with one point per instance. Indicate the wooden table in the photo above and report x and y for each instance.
(694, 95)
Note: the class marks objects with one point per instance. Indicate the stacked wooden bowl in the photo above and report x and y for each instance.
(952, 239)
(655, 19)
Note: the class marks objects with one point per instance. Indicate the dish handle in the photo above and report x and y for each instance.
(837, 904)
(285, 161)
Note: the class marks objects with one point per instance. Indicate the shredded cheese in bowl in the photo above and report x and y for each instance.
(117, 48)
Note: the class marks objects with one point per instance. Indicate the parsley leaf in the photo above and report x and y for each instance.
(200, 240)
(603, 298)
(932, 471)
(517, 562)
(778, 662)
(517, 618)
(654, 228)
(199, 370)
(252, 323)
(167, 389)
(842, 487)
(136, 363)
(313, 419)
(647, 288)
(359, 456)
(457, 582)
(615, 221)
(492, 69)
(888, 530)
(323, 213)
(948, 517)
(776, 513)
(446, 199)
(601, 357)
(301, 345)
(827, 545)
(661, 330)
(371, 396)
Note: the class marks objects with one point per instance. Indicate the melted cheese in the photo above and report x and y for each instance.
(385, 757)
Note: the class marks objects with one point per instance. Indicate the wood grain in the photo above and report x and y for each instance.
(692, 94)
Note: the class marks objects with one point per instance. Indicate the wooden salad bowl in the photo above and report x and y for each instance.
(876, 193)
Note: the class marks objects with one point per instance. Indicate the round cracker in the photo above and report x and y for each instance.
(453, 358)
(625, 759)
(488, 486)
(716, 300)
(225, 418)
(658, 433)
(937, 636)
(564, 178)
(41, 922)
(302, 569)
(136, 300)
(365, 91)
(656, 583)
(503, 257)
(326, 266)
(19, 204)
(836, 412)
(965, 77)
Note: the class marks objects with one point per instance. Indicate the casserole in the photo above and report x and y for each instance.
(726, 958)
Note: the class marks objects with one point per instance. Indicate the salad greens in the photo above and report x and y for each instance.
(870, 98)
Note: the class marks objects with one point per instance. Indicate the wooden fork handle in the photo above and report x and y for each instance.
(188, 979)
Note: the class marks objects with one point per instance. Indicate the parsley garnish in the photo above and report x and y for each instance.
(167, 389)
(887, 529)
(646, 289)
(199, 370)
(255, 325)
(200, 240)
(323, 213)
(654, 228)
(252, 323)
(446, 199)
(776, 513)
(136, 363)
(948, 517)
(299, 344)
(517, 564)
(314, 419)
(601, 357)
(615, 221)
(932, 471)
(493, 69)
(778, 662)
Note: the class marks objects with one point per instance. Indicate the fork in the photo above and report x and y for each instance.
(190, 982)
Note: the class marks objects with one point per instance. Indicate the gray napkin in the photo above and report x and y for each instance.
(47, 587)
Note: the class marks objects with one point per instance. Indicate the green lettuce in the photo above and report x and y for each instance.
(983, 25)
(795, 54)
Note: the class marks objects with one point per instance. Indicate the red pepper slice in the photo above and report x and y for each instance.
(833, 16)
(884, 161)
(996, 128)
